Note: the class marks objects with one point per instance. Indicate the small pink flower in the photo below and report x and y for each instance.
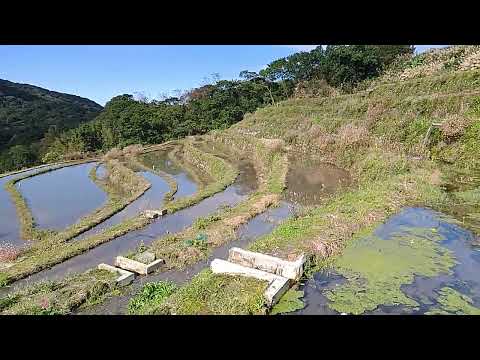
(8, 252)
(44, 303)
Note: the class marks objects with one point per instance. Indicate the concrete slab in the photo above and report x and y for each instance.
(136, 266)
(125, 278)
(290, 269)
(152, 214)
(277, 285)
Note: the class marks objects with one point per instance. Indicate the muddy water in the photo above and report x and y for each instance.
(465, 276)
(246, 234)
(151, 199)
(309, 184)
(159, 160)
(59, 198)
(175, 222)
(248, 174)
(9, 226)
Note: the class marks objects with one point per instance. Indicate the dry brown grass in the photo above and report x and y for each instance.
(350, 135)
(273, 144)
(314, 88)
(374, 112)
(454, 126)
(128, 151)
(132, 150)
(76, 155)
(114, 153)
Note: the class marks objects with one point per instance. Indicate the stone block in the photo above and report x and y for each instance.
(125, 277)
(289, 269)
(277, 285)
(136, 266)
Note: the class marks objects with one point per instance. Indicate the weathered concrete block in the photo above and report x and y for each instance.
(290, 269)
(145, 257)
(152, 214)
(276, 290)
(277, 285)
(125, 278)
(136, 266)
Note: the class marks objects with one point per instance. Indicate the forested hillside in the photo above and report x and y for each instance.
(28, 113)
(218, 105)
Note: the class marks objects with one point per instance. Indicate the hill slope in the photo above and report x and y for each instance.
(27, 112)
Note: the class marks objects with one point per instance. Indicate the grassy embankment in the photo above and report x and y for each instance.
(60, 297)
(380, 137)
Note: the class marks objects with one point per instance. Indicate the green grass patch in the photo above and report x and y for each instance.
(216, 294)
(151, 296)
(60, 297)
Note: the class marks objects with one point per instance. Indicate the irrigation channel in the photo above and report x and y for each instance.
(259, 225)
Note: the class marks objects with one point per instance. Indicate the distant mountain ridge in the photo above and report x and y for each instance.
(27, 112)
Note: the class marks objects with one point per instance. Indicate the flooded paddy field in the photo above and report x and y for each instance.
(121, 245)
(9, 224)
(309, 184)
(417, 262)
(159, 160)
(152, 199)
(59, 198)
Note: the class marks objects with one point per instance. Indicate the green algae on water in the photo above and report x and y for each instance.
(289, 302)
(376, 269)
(453, 303)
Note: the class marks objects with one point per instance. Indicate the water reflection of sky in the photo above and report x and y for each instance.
(59, 198)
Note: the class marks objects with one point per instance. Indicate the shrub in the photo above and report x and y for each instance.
(454, 126)
(132, 150)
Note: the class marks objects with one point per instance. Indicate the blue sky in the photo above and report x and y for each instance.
(100, 72)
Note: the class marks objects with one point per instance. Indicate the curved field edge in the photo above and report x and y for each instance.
(133, 185)
(24, 214)
(44, 254)
(172, 184)
(384, 148)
